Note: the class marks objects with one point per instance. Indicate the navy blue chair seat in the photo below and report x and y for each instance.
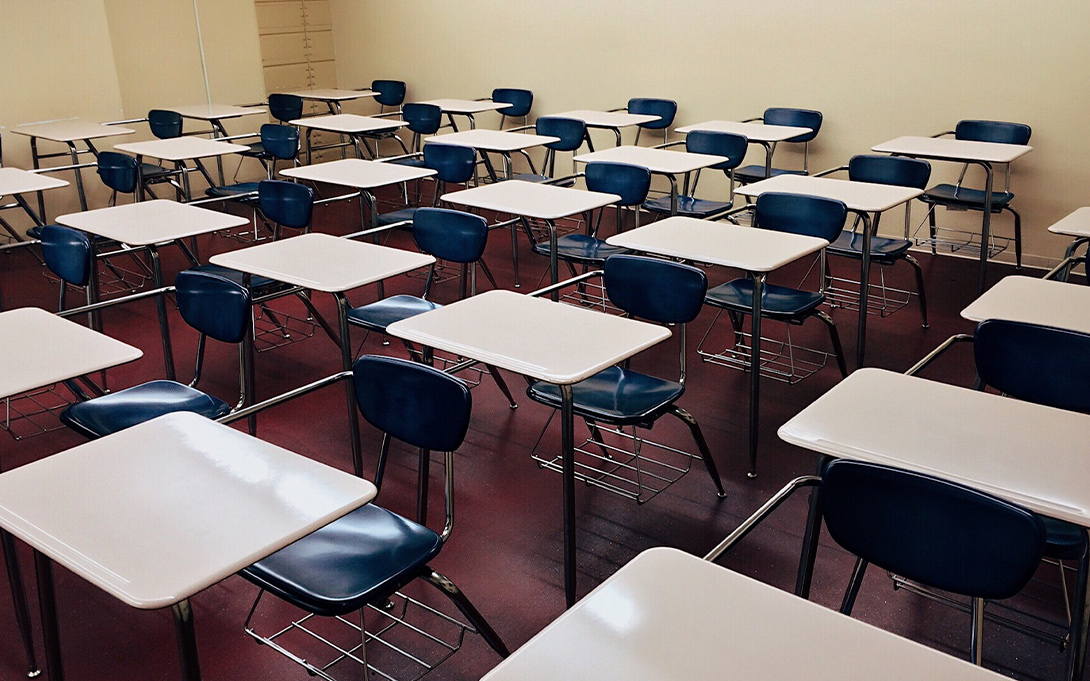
(688, 206)
(1063, 540)
(234, 190)
(259, 286)
(411, 162)
(125, 408)
(882, 249)
(615, 395)
(951, 195)
(755, 173)
(579, 248)
(405, 214)
(362, 557)
(150, 170)
(380, 314)
(777, 302)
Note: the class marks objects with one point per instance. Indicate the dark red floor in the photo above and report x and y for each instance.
(505, 551)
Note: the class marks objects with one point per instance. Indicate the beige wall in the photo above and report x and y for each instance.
(876, 69)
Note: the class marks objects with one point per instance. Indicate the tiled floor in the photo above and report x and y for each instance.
(505, 550)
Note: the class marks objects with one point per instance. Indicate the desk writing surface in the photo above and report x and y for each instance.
(1036, 301)
(212, 112)
(1023, 452)
(656, 160)
(756, 132)
(181, 148)
(719, 243)
(323, 262)
(530, 199)
(151, 222)
(157, 512)
(492, 140)
(549, 341)
(70, 130)
(358, 173)
(42, 349)
(1076, 224)
(950, 149)
(608, 119)
(668, 615)
(18, 181)
(467, 106)
(349, 124)
(332, 94)
(869, 197)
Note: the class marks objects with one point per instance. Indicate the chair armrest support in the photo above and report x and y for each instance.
(830, 171)
(934, 354)
(387, 159)
(532, 126)
(284, 397)
(622, 108)
(115, 301)
(127, 121)
(566, 283)
(668, 144)
(944, 134)
(376, 230)
(566, 178)
(751, 120)
(761, 513)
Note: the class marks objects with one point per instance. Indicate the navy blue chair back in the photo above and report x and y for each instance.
(800, 118)
(571, 132)
(629, 182)
(285, 108)
(1039, 364)
(932, 531)
(520, 101)
(282, 141)
(665, 109)
(217, 307)
(67, 254)
(801, 214)
(656, 290)
(118, 171)
(412, 402)
(423, 119)
(451, 163)
(165, 124)
(893, 170)
(718, 144)
(993, 131)
(286, 203)
(389, 92)
(450, 234)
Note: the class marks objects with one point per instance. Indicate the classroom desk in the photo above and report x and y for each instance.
(756, 251)
(670, 615)
(214, 115)
(179, 150)
(465, 107)
(544, 340)
(535, 200)
(495, 141)
(1034, 301)
(332, 97)
(356, 127)
(15, 182)
(607, 120)
(147, 225)
(68, 132)
(757, 133)
(983, 154)
(974, 438)
(861, 198)
(156, 513)
(44, 349)
(1077, 226)
(359, 174)
(663, 162)
(330, 264)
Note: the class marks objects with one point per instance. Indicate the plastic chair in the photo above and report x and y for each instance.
(285, 108)
(802, 118)
(452, 164)
(68, 253)
(365, 557)
(572, 132)
(280, 204)
(423, 120)
(716, 144)
(955, 196)
(118, 172)
(278, 143)
(891, 170)
(665, 109)
(389, 93)
(796, 214)
(658, 291)
(218, 309)
(165, 124)
(520, 101)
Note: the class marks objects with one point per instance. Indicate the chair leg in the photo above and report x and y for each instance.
(977, 643)
(702, 445)
(487, 273)
(933, 227)
(502, 384)
(854, 583)
(1077, 635)
(837, 348)
(451, 591)
(1017, 237)
(920, 295)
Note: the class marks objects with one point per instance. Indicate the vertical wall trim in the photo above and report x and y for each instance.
(200, 47)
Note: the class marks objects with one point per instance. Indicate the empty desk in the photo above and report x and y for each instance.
(607, 120)
(15, 182)
(495, 141)
(351, 125)
(465, 107)
(179, 150)
(1034, 301)
(332, 97)
(757, 133)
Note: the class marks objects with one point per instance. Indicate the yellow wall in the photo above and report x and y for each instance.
(877, 70)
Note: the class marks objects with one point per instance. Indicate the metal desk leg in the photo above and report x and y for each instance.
(18, 597)
(161, 304)
(1080, 611)
(985, 225)
(810, 538)
(673, 197)
(138, 194)
(79, 177)
(554, 259)
(567, 448)
(755, 370)
(368, 198)
(309, 130)
(769, 150)
(187, 640)
(617, 133)
(186, 191)
(472, 122)
(864, 287)
(47, 604)
(34, 159)
(346, 364)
